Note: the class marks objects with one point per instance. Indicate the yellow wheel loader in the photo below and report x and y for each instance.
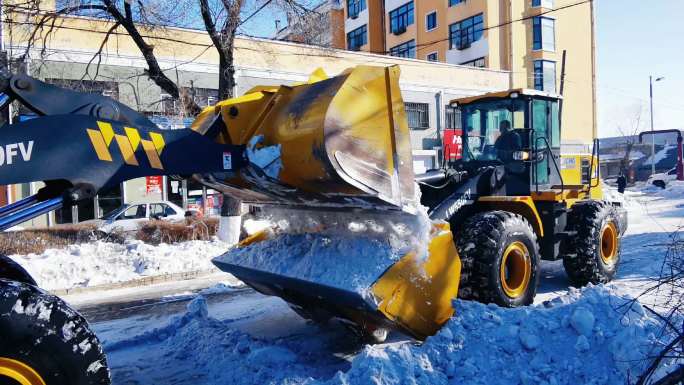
(335, 149)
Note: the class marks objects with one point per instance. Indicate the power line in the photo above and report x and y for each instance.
(264, 5)
(509, 22)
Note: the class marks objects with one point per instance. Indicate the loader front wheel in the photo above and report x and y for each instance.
(593, 254)
(45, 342)
(500, 259)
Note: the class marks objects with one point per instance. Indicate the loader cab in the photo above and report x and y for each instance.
(518, 130)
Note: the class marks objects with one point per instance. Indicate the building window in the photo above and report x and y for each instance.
(479, 63)
(434, 56)
(407, 49)
(545, 75)
(452, 118)
(544, 33)
(463, 33)
(431, 20)
(357, 38)
(542, 3)
(418, 115)
(455, 2)
(204, 97)
(401, 18)
(354, 7)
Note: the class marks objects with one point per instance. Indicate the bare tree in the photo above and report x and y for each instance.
(668, 288)
(629, 128)
(143, 21)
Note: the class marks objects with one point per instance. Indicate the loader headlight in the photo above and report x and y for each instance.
(521, 155)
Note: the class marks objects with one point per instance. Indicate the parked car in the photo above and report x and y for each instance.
(129, 217)
(662, 179)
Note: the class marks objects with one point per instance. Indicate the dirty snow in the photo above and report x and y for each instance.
(588, 336)
(99, 263)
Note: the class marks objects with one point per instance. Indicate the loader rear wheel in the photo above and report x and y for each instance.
(45, 342)
(500, 259)
(593, 254)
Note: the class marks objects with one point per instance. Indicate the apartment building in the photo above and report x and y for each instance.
(323, 26)
(525, 37)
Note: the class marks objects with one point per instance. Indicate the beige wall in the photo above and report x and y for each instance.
(435, 40)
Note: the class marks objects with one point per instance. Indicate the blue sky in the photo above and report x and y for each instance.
(635, 39)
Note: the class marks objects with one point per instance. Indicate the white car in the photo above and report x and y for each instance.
(129, 217)
(663, 178)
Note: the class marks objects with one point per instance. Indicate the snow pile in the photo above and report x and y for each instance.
(99, 263)
(611, 194)
(592, 336)
(673, 190)
(198, 349)
(588, 336)
(349, 262)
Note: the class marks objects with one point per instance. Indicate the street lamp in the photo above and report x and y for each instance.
(650, 81)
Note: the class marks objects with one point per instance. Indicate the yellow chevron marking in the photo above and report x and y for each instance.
(126, 150)
(158, 141)
(133, 137)
(107, 132)
(99, 145)
(151, 151)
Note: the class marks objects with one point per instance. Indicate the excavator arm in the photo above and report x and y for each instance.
(79, 144)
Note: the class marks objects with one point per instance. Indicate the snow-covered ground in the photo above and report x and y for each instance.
(594, 335)
(101, 263)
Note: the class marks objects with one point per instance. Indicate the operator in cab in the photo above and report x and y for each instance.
(507, 142)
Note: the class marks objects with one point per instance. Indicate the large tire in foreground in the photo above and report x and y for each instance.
(500, 259)
(592, 255)
(44, 341)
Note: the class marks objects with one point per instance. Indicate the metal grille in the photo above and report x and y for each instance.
(418, 115)
(452, 119)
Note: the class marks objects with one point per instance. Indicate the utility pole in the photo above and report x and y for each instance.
(650, 83)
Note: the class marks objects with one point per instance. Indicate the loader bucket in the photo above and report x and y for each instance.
(412, 293)
(338, 141)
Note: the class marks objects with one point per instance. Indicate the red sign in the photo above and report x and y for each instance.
(453, 144)
(154, 184)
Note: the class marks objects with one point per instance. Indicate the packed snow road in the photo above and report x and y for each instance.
(237, 336)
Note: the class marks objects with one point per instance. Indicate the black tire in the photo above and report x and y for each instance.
(484, 243)
(42, 332)
(585, 258)
(11, 270)
(659, 183)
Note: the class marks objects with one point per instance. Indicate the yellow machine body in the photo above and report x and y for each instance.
(416, 294)
(339, 140)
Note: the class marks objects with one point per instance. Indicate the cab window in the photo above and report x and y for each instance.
(485, 122)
